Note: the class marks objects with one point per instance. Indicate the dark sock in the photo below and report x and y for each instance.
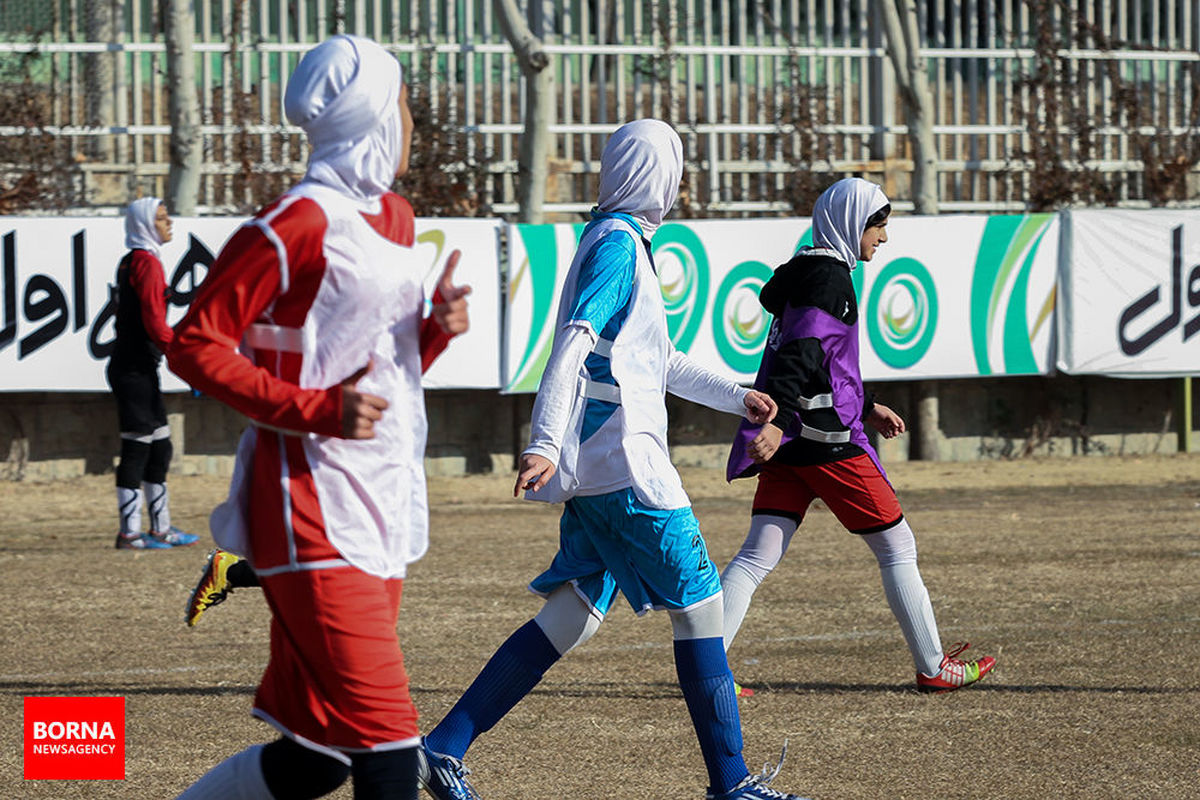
(294, 772)
(707, 686)
(385, 775)
(510, 675)
(240, 574)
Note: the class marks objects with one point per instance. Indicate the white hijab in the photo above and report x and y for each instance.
(140, 232)
(345, 94)
(640, 171)
(840, 216)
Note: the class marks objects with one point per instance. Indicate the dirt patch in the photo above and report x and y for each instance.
(1080, 575)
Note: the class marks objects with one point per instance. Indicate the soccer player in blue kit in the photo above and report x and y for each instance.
(599, 446)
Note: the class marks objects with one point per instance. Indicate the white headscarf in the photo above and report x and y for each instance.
(345, 94)
(640, 171)
(840, 216)
(140, 232)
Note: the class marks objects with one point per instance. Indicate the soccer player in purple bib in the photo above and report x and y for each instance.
(816, 447)
(599, 446)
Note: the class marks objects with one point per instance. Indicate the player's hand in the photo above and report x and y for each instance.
(887, 422)
(451, 313)
(760, 408)
(533, 473)
(763, 446)
(360, 411)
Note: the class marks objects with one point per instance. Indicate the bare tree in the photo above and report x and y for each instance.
(183, 177)
(903, 26)
(533, 159)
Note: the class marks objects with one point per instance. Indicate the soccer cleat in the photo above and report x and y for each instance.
(213, 587)
(740, 691)
(955, 672)
(444, 777)
(754, 787)
(173, 537)
(143, 541)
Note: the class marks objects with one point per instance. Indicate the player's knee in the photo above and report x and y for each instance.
(292, 770)
(132, 466)
(158, 461)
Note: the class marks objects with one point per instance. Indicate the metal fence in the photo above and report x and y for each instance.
(773, 98)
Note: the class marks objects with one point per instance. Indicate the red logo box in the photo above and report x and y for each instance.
(75, 738)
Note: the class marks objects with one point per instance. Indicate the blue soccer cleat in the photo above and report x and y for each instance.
(444, 777)
(173, 537)
(142, 541)
(754, 787)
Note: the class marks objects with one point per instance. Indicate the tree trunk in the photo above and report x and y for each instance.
(903, 28)
(98, 77)
(533, 156)
(183, 179)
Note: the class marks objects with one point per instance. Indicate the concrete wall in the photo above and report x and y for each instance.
(47, 436)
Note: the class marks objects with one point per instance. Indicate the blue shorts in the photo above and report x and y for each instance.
(656, 557)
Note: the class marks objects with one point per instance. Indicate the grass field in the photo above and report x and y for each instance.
(1082, 576)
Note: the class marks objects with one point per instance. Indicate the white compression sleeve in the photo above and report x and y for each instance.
(896, 551)
(764, 547)
(556, 394)
(566, 620)
(698, 622)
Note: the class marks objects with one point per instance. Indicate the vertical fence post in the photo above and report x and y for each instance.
(1183, 411)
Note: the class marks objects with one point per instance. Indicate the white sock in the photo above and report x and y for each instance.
(765, 545)
(157, 506)
(129, 507)
(896, 550)
(238, 777)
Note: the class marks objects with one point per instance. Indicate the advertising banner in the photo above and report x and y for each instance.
(1131, 293)
(951, 296)
(57, 296)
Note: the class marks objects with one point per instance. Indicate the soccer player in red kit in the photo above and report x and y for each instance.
(310, 323)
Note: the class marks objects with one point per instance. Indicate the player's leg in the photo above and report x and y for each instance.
(895, 549)
(780, 503)
(671, 569)
(386, 775)
(578, 592)
(512, 672)
(133, 393)
(134, 455)
(271, 772)
(863, 500)
(762, 550)
(707, 686)
(154, 480)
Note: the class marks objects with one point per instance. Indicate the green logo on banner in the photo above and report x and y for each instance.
(739, 323)
(902, 313)
(540, 272)
(682, 265)
(1004, 263)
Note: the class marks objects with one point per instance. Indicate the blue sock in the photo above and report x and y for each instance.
(707, 686)
(510, 675)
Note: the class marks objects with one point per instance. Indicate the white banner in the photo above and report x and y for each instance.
(57, 301)
(945, 297)
(1131, 293)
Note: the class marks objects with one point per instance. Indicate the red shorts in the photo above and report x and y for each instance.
(336, 680)
(855, 490)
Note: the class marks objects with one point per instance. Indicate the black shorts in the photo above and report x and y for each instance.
(139, 400)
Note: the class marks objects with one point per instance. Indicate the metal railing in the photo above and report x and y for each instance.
(766, 94)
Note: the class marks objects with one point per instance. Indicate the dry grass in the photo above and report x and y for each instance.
(1082, 576)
